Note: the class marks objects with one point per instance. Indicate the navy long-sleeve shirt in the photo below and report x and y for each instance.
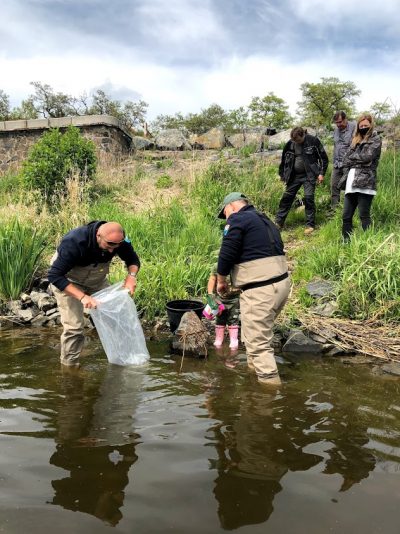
(79, 247)
(248, 235)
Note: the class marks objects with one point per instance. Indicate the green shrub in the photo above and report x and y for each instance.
(164, 163)
(57, 156)
(21, 248)
(164, 181)
(248, 150)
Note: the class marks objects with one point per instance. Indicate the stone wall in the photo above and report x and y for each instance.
(111, 138)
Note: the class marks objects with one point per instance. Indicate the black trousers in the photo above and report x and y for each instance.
(289, 195)
(351, 201)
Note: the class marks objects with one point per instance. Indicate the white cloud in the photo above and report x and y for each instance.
(231, 84)
(358, 13)
(192, 57)
(180, 21)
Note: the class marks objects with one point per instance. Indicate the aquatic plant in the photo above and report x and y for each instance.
(21, 247)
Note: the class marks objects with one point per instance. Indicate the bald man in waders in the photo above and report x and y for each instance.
(79, 269)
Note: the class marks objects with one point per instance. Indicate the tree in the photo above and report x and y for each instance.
(321, 100)
(47, 103)
(198, 123)
(208, 118)
(382, 111)
(237, 119)
(131, 114)
(24, 111)
(167, 122)
(4, 106)
(270, 111)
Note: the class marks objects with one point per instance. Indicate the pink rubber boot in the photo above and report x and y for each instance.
(233, 337)
(219, 335)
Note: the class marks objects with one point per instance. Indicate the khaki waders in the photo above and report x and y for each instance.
(89, 279)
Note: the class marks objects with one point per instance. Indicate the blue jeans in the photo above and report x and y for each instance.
(351, 201)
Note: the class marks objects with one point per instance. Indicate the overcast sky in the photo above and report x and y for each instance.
(183, 55)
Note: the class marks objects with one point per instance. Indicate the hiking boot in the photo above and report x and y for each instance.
(309, 230)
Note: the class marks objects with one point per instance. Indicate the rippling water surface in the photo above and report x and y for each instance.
(207, 449)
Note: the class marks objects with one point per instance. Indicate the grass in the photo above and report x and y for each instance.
(175, 236)
(366, 270)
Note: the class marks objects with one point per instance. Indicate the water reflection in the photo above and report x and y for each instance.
(261, 435)
(256, 447)
(96, 442)
(213, 445)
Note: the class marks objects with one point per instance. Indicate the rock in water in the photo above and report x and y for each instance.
(191, 336)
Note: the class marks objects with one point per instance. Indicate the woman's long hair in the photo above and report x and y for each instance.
(357, 137)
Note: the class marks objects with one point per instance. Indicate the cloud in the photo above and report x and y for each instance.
(183, 55)
(117, 92)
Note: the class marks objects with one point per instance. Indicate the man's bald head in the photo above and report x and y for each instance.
(110, 234)
(111, 231)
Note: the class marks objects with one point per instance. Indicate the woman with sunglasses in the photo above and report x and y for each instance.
(79, 269)
(360, 164)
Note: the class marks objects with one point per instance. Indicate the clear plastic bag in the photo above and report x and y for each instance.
(118, 326)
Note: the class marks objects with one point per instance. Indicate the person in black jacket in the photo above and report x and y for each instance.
(79, 269)
(304, 163)
(252, 253)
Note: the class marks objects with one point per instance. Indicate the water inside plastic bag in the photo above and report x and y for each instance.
(117, 323)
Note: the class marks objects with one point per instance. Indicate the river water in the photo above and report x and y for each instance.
(154, 449)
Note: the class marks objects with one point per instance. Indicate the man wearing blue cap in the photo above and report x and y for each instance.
(252, 253)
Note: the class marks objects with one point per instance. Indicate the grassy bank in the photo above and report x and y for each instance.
(176, 232)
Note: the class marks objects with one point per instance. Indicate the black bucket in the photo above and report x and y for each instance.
(176, 308)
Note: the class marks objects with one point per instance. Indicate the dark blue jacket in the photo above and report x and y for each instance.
(248, 235)
(79, 248)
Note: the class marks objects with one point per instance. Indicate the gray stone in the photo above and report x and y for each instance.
(39, 320)
(334, 350)
(297, 342)
(320, 288)
(237, 140)
(141, 143)
(35, 296)
(325, 309)
(43, 284)
(52, 313)
(278, 140)
(14, 306)
(277, 342)
(27, 315)
(317, 338)
(212, 139)
(43, 300)
(391, 368)
(173, 139)
(25, 299)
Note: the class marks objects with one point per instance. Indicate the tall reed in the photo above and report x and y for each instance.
(21, 247)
